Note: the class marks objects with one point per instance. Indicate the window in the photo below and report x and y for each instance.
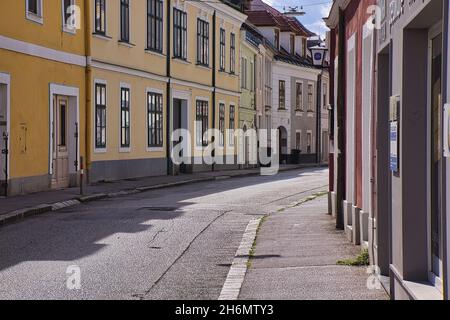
(292, 44)
(155, 120)
(304, 46)
(298, 140)
(282, 93)
(299, 97)
(100, 17)
(63, 125)
(179, 34)
(244, 73)
(310, 98)
(325, 96)
(125, 118)
(155, 25)
(202, 42)
(202, 122)
(221, 124)
(100, 116)
(232, 126)
(34, 10)
(222, 49)
(252, 76)
(125, 20)
(309, 142)
(232, 53)
(68, 15)
(277, 39)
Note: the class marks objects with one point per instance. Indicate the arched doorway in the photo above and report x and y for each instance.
(282, 144)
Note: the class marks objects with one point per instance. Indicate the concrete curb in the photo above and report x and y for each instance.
(233, 284)
(20, 214)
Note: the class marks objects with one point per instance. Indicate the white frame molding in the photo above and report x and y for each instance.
(298, 131)
(104, 82)
(5, 79)
(39, 18)
(72, 92)
(161, 92)
(124, 85)
(205, 99)
(231, 147)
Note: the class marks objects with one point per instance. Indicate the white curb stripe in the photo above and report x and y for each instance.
(233, 284)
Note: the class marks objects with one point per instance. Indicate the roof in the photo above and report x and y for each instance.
(261, 14)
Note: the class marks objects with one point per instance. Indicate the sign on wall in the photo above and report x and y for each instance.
(394, 119)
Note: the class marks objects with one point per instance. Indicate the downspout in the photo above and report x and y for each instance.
(168, 93)
(444, 165)
(340, 114)
(88, 89)
(214, 39)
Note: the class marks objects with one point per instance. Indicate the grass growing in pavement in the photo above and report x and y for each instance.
(361, 260)
(251, 254)
(311, 198)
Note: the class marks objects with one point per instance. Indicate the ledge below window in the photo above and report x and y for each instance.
(126, 44)
(101, 36)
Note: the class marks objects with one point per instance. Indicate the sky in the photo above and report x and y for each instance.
(315, 11)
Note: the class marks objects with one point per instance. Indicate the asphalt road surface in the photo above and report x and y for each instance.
(175, 243)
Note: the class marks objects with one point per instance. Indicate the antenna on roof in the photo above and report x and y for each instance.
(293, 12)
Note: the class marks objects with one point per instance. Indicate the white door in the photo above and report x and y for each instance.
(60, 163)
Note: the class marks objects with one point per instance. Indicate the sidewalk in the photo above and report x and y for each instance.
(16, 207)
(296, 255)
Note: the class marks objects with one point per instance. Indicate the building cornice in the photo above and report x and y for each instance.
(333, 19)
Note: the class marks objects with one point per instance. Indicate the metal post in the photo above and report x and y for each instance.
(6, 152)
(81, 176)
(319, 117)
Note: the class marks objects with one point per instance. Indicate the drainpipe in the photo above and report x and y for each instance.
(5, 152)
(319, 117)
(340, 114)
(168, 93)
(88, 90)
(444, 165)
(214, 64)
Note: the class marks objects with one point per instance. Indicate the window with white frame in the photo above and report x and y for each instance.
(34, 10)
(179, 34)
(155, 120)
(125, 20)
(298, 140)
(69, 15)
(125, 117)
(252, 76)
(310, 98)
(202, 42)
(155, 25)
(299, 96)
(232, 125)
(282, 95)
(232, 53)
(222, 49)
(100, 17)
(244, 75)
(325, 95)
(202, 122)
(221, 124)
(100, 116)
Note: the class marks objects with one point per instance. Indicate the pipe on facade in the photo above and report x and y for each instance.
(168, 93)
(214, 64)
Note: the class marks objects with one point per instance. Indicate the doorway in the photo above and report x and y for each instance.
(180, 121)
(5, 81)
(60, 159)
(436, 159)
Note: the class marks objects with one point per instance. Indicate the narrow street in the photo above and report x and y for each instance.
(175, 243)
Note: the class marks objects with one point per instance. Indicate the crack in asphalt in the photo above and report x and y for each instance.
(147, 292)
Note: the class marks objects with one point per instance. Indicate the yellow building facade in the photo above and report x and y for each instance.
(42, 90)
(101, 85)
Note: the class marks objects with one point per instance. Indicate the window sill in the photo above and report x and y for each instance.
(100, 150)
(311, 114)
(155, 149)
(181, 60)
(125, 150)
(70, 31)
(155, 53)
(423, 290)
(35, 18)
(203, 66)
(299, 113)
(126, 44)
(101, 36)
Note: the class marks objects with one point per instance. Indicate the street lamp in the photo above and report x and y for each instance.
(318, 54)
